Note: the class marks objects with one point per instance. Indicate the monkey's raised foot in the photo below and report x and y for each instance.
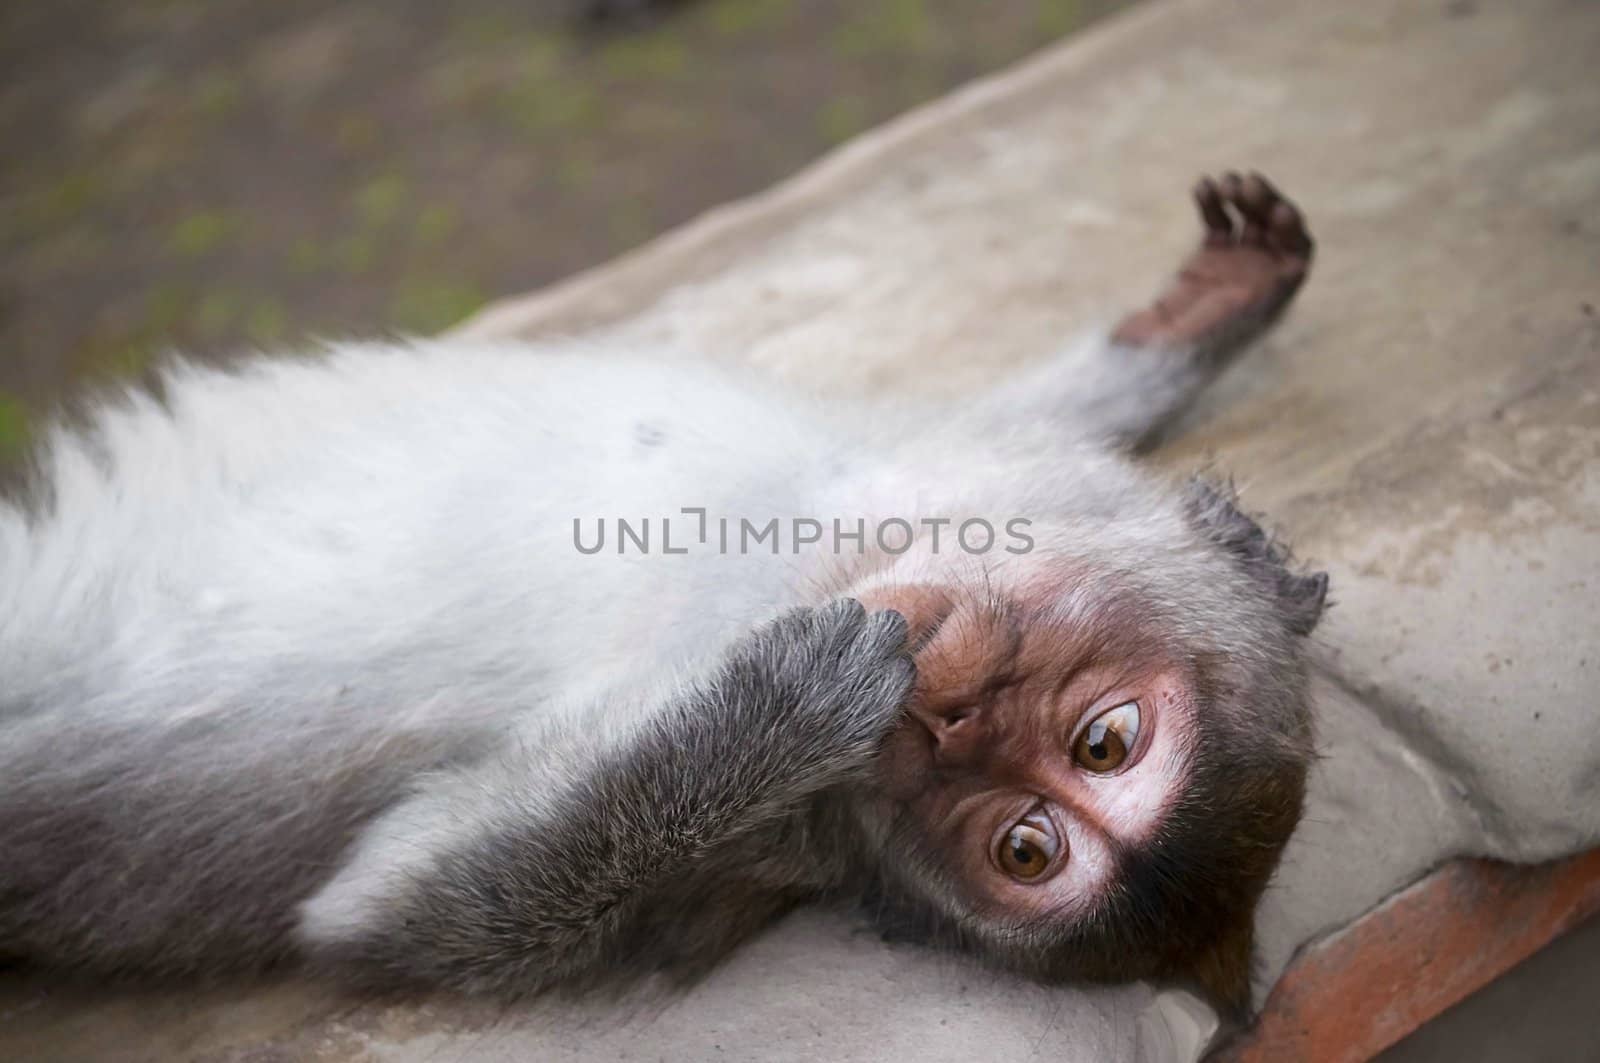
(1254, 257)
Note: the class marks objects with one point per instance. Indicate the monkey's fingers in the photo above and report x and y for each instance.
(1208, 197)
(1286, 231)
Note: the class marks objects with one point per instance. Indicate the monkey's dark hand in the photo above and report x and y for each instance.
(487, 883)
(815, 692)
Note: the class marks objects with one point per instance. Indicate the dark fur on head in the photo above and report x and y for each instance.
(1182, 905)
(1299, 596)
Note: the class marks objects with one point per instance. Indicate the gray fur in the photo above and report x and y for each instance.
(516, 902)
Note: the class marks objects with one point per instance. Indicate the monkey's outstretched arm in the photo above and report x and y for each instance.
(1128, 386)
(482, 884)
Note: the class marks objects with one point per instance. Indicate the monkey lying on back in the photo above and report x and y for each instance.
(333, 660)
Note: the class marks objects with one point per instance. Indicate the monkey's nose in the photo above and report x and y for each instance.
(954, 731)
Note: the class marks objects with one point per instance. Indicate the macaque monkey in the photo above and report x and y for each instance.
(318, 661)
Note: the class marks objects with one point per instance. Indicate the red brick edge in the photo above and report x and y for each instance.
(1358, 991)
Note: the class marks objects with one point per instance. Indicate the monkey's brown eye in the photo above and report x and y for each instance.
(1104, 744)
(1028, 847)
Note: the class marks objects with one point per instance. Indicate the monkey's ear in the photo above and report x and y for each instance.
(1301, 596)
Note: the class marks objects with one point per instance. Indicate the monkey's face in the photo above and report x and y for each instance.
(1036, 750)
(1101, 763)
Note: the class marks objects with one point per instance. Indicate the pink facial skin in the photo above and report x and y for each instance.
(1004, 690)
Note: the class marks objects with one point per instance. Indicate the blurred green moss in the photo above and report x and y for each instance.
(356, 134)
(539, 107)
(730, 18)
(356, 254)
(428, 306)
(165, 307)
(306, 257)
(434, 224)
(266, 322)
(885, 28)
(118, 357)
(1057, 17)
(841, 118)
(15, 428)
(216, 93)
(203, 232)
(62, 199)
(216, 314)
(380, 199)
(646, 57)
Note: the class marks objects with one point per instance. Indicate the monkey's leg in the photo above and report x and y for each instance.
(1255, 254)
(482, 883)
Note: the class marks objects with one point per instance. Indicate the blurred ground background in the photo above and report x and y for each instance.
(212, 175)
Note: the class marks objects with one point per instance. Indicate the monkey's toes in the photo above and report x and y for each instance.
(1255, 255)
(1250, 211)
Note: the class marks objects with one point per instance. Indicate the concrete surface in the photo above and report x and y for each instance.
(1425, 425)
